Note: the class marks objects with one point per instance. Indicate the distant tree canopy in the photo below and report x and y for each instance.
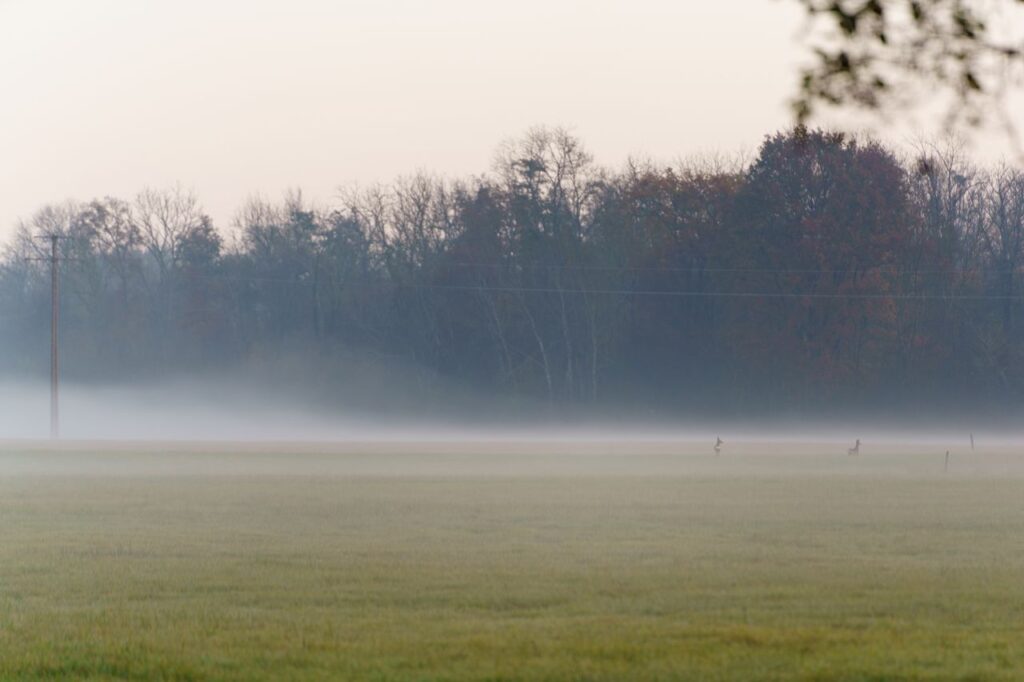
(829, 270)
(873, 53)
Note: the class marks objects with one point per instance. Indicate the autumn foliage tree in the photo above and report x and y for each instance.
(827, 270)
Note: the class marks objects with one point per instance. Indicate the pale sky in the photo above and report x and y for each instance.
(236, 97)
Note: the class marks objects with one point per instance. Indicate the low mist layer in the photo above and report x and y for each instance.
(253, 410)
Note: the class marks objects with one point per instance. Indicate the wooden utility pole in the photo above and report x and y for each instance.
(54, 260)
(54, 328)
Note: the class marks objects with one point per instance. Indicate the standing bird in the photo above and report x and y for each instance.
(718, 445)
(855, 450)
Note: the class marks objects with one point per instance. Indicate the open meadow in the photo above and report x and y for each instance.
(477, 561)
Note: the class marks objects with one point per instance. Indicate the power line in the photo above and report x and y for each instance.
(640, 292)
(727, 294)
(654, 293)
(696, 269)
(702, 269)
(678, 293)
(242, 278)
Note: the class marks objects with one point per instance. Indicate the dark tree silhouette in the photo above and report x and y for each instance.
(874, 54)
(827, 271)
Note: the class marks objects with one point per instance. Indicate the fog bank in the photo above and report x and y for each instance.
(263, 411)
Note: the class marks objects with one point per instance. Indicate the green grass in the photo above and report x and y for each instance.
(227, 577)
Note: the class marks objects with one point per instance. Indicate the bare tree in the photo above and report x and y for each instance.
(1003, 237)
(164, 219)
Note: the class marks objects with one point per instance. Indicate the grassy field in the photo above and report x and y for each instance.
(320, 566)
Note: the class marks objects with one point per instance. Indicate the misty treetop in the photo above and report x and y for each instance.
(828, 269)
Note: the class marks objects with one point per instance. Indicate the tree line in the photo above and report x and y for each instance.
(828, 269)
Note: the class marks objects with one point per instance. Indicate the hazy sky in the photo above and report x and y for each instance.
(235, 97)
